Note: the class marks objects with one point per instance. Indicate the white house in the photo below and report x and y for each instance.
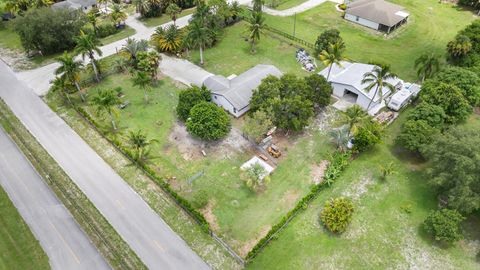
(84, 5)
(234, 94)
(376, 14)
(346, 81)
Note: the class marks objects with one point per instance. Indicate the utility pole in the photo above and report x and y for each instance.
(294, 23)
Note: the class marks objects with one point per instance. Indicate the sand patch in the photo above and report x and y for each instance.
(358, 188)
(247, 246)
(289, 198)
(207, 212)
(318, 171)
(191, 148)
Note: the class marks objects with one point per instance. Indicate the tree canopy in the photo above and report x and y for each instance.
(467, 81)
(190, 97)
(327, 37)
(444, 225)
(208, 121)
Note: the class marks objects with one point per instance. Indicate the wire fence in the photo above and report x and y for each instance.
(290, 37)
(86, 219)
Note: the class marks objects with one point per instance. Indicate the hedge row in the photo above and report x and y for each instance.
(338, 162)
(182, 202)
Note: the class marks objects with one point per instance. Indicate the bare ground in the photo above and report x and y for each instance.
(207, 212)
(318, 171)
(17, 60)
(248, 245)
(191, 148)
(289, 198)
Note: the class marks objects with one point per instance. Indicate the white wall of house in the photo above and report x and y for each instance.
(226, 105)
(362, 21)
(362, 100)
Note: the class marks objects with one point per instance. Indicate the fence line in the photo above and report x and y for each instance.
(289, 36)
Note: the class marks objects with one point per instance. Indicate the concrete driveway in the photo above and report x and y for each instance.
(65, 244)
(156, 244)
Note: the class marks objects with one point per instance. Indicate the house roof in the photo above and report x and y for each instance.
(378, 11)
(352, 74)
(75, 4)
(238, 90)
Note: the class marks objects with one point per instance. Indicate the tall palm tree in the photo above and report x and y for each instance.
(427, 65)
(141, 6)
(142, 80)
(352, 117)
(118, 15)
(60, 84)
(107, 102)
(255, 27)
(333, 55)
(69, 69)
(93, 20)
(257, 5)
(378, 79)
(88, 45)
(167, 40)
(173, 10)
(199, 35)
(140, 143)
(132, 47)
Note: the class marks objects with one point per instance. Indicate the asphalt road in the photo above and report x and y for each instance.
(61, 238)
(147, 234)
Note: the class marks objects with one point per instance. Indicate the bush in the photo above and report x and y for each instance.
(190, 97)
(337, 214)
(342, 6)
(208, 121)
(433, 115)
(416, 134)
(327, 37)
(367, 135)
(444, 225)
(49, 30)
(105, 30)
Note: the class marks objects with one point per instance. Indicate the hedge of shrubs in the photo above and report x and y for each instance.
(182, 202)
(338, 162)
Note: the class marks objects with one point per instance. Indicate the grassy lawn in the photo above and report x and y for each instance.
(124, 33)
(156, 21)
(232, 207)
(18, 247)
(232, 54)
(10, 39)
(289, 4)
(383, 233)
(430, 27)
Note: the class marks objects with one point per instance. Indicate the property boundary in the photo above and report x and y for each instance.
(290, 37)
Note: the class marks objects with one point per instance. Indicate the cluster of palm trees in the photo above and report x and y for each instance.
(19, 6)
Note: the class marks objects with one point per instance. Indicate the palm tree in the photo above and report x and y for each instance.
(167, 40)
(41, 3)
(352, 117)
(105, 3)
(141, 6)
(69, 69)
(173, 10)
(88, 45)
(340, 136)
(132, 47)
(235, 10)
(386, 170)
(106, 102)
(257, 5)
(427, 65)
(140, 143)
(257, 23)
(199, 35)
(378, 79)
(142, 80)
(118, 15)
(333, 55)
(459, 47)
(93, 20)
(59, 84)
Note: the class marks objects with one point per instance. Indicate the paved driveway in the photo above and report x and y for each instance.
(146, 233)
(61, 238)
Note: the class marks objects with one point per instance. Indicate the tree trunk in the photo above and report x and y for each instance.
(95, 70)
(201, 55)
(374, 95)
(82, 97)
(253, 46)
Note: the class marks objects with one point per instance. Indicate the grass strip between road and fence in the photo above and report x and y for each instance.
(110, 244)
(337, 164)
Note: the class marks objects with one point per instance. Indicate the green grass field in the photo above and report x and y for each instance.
(232, 206)
(157, 21)
(430, 27)
(18, 247)
(383, 234)
(289, 4)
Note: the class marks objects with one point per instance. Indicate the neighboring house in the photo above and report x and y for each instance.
(376, 14)
(346, 81)
(234, 94)
(84, 5)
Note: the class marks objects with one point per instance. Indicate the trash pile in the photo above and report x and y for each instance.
(308, 63)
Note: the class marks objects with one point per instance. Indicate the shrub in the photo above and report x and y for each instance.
(208, 121)
(367, 135)
(49, 30)
(105, 30)
(327, 37)
(257, 125)
(433, 115)
(256, 176)
(444, 225)
(190, 97)
(200, 199)
(416, 134)
(337, 214)
(342, 6)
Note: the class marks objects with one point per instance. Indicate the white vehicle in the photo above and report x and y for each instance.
(401, 98)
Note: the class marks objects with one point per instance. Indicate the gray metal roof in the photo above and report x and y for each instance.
(378, 11)
(75, 4)
(238, 90)
(352, 74)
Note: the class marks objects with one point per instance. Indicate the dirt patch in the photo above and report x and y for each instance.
(207, 212)
(290, 197)
(325, 120)
(191, 148)
(358, 188)
(247, 246)
(318, 171)
(17, 60)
